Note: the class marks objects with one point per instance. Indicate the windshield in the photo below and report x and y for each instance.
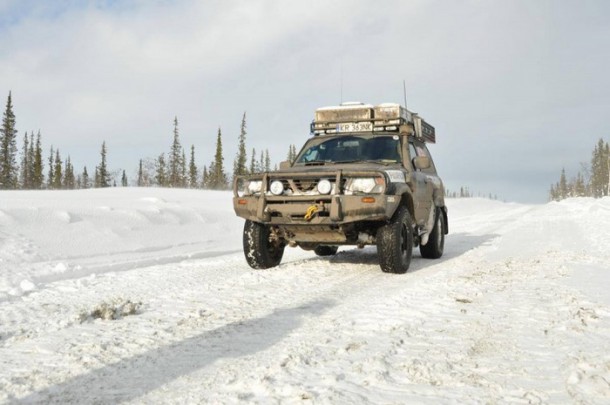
(344, 149)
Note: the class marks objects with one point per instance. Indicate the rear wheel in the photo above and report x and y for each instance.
(395, 243)
(436, 241)
(323, 250)
(262, 248)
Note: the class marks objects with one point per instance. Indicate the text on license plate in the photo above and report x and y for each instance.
(355, 127)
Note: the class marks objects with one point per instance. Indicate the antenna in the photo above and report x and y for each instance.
(341, 74)
(404, 92)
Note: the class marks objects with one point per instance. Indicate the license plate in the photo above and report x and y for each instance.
(355, 127)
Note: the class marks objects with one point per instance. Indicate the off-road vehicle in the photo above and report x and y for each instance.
(365, 177)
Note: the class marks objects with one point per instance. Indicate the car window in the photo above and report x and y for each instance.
(353, 149)
(420, 149)
(412, 154)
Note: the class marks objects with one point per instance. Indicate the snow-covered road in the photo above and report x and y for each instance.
(517, 310)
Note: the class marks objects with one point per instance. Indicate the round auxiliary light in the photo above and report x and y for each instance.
(276, 187)
(324, 186)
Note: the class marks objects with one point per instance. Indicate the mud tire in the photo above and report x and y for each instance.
(436, 241)
(324, 250)
(260, 250)
(395, 243)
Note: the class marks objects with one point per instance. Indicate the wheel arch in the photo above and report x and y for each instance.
(406, 199)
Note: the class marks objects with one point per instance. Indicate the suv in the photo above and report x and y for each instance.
(366, 177)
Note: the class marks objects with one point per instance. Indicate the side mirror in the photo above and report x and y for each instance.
(422, 162)
(285, 165)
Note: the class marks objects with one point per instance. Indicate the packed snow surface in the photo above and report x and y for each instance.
(143, 296)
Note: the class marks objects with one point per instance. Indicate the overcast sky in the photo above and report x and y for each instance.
(516, 89)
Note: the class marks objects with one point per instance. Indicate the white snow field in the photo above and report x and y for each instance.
(143, 296)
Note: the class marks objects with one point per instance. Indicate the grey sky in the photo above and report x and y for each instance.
(516, 89)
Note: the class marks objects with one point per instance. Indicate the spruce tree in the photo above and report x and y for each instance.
(183, 172)
(597, 181)
(96, 177)
(85, 178)
(600, 170)
(563, 185)
(174, 171)
(69, 178)
(140, 175)
(57, 172)
(9, 170)
(193, 173)
(218, 178)
(261, 162)
(239, 165)
(205, 178)
(267, 161)
(579, 186)
(51, 169)
(25, 163)
(292, 153)
(103, 177)
(31, 162)
(38, 176)
(160, 177)
(607, 171)
(289, 154)
(124, 179)
(253, 164)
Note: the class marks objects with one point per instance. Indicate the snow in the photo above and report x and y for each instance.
(144, 296)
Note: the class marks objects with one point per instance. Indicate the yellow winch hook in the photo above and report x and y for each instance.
(311, 211)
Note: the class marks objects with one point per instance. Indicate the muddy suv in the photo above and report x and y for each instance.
(365, 177)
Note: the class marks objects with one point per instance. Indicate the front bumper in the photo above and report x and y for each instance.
(323, 210)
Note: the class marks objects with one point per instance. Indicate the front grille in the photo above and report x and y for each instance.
(305, 185)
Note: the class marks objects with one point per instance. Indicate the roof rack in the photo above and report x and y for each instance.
(358, 117)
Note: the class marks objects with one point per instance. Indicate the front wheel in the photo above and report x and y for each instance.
(436, 242)
(262, 248)
(395, 243)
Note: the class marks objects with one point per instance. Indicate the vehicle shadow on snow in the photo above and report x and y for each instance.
(455, 245)
(136, 376)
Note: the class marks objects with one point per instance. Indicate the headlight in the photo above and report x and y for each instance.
(324, 186)
(253, 187)
(276, 187)
(365, 185)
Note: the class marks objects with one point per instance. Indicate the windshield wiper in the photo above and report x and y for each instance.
(317, 162)
(379, 161)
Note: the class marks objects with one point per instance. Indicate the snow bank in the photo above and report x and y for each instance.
(47, 236)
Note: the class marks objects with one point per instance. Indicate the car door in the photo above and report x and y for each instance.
(423, 186)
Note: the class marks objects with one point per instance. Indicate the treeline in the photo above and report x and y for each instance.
(466, 193)
(172, 169)
(26, 169)
(591, 181)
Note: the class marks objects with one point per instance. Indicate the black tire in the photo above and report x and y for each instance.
(395, 243)
(323, 250)
(260, 250)
(436, 241)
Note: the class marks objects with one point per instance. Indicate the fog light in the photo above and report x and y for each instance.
(324, 186)
(276, 187)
